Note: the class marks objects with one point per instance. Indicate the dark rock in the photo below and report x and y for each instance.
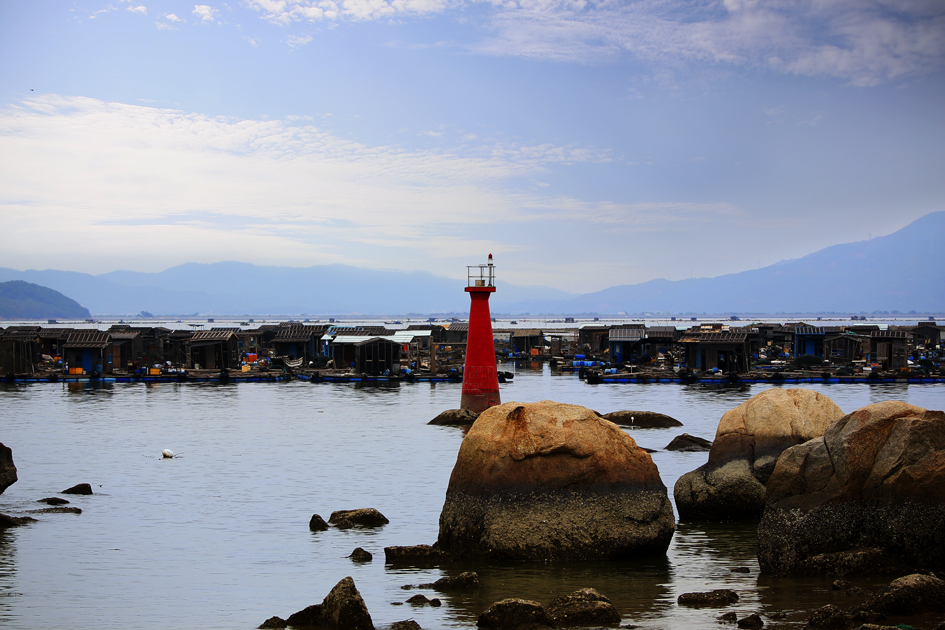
(828, 617)
(689, 444)
(272, 622)
(415, 554)
(365, 517)
(642, 419)
(360, 555)
(751, 621)
(777, 615)
(53, 501)
(467, 581)
(418, 600)
(585, 607)
(455, 418)
(317, 523)
(748, 442)
(912, 594)
(81, 488)
(549, 481)
(512, 614)
(409, 624)
(740, 570)
(840, 585)
(342, 609)
(7, 468)
(729, 617)
(13, 521)
(873, 626)
(57, 510)
(867, 497)
(718, 597)
(435, 602)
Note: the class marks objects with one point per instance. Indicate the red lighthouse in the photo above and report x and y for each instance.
(480, 379)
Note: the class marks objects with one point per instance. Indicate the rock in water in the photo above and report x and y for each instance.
(866, 497)
(365, 517)
(549, 481)
(455, 417)
(342, 609)
(689, 444)
(642, 419)
(909, 595)
(79, 488)
(748, 442)
(511, 614)
(317, 523)
(585, 607)
(14, 521)
(7, 468)
(361, 555)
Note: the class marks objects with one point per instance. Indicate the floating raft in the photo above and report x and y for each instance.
(643, 379)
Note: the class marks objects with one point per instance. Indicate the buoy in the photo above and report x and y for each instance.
(167, 453)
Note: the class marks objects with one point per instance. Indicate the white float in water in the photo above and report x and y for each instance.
(167, 453)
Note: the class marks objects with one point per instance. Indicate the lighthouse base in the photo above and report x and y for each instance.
(479, 402)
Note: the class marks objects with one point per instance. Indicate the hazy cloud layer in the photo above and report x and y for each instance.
(159, 186)
(861, 41)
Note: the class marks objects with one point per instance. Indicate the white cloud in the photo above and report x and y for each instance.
(297, 41)
(164, 26)
(205, 12)
(138, 9)
(172, 18)
(80, 175)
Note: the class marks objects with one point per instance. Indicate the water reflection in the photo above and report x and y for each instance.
(7, 574)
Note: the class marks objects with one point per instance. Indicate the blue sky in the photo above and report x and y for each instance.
(585, 144)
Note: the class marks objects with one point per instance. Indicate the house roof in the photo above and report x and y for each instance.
(212, 336)
(715, 337)
(96, 339)
(661, 331)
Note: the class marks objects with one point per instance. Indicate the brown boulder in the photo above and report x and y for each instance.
(364, 517)
(748, 442)
(689, 444)
(515, 614)
(585, 607)
(455, 418)
(716, 598)
(79, 488)
(549, 481)
(866, 497)
(415, 554)
(642, 419)
(342, 609)
(913, 594)
(7, 468)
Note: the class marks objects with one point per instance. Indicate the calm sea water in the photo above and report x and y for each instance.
(218, 537)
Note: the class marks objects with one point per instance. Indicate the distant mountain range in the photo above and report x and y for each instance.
(24, 300)
(902, 271)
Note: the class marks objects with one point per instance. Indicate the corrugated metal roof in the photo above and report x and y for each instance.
(627, 334)
(809, 330)
(213, 335)
(890, 334)
(88, 339)
(715, 337)
(18, 335)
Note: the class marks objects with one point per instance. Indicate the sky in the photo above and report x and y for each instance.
(583, 143)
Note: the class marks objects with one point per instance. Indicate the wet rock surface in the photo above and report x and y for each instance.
(415, 554)
(360, 555)
(14, 521)
(585, 607)
(79, 488)
(829, 617)
(689, 444)
(363, 517)
(515, 614)
(748, 442)
(7, 468)
(867, 497)
(409, 624)
(642, 419)
(466, 581)
(53, 501)
(455, 418)
(751, 621)
(549, 481)
(317, 523)
(272, 622)
(912, 594)
(57, 510)
(342, 609)
(718, 597)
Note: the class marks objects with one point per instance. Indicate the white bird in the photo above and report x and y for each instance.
(167, 453)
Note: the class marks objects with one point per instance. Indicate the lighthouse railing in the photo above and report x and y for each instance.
(480, 275)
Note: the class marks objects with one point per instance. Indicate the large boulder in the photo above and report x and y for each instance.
(586, 607)
(7, 468)
(513, 614)
(549, 481)
(866, 497)
(748, 442)
(342, 609)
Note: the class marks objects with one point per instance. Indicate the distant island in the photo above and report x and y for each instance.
(25, 300)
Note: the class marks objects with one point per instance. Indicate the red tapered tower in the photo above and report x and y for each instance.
(480, 378)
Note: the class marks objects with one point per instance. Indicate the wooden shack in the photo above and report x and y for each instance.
(88, 352)
(726, 351)
(889, 349)
(20, 350)
(214, 349)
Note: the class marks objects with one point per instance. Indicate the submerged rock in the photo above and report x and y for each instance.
(342, 609)
(53, 501)
(585, 607)
(549, 481)
(829, 617)
(7, 468)
(718, 597)
(57, 510)
(360, 555)
(512, 614)
(365, 517)
(867, 497)
(642, 419)
(689, 444)
(466, 581)
(455, 418)
(912, 594)
(415, 554)
(14, 521)
(748, 442)
(409, 624)
(272, 623)
(317, 523)
(80, 488)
